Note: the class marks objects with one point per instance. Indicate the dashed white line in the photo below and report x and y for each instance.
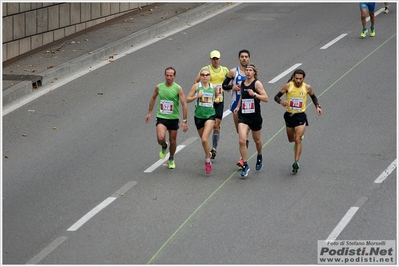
(387, 172)
(101, 206)
(334, 41)
(341, 225)
(285, 73)
(91, 213)
(161, 161)
(351, 212)
(50, 248)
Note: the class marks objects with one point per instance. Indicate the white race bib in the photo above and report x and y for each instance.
(166, 107)
(248, 106)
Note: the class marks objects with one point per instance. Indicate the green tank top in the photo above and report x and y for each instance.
(204, 106)
(168, 102)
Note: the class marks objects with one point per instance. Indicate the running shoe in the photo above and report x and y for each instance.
(301, 140)
(259, 164)
(162, 153)
(295, 167)
(372, 32)
(172, 164)
(245, 170)
(386, 10)
(208, 167)
(364, 33)
(240, 163)
(213, 152)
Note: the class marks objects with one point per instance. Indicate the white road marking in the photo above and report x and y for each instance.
(178, 148)
(285, 73)
(101, 206)
(91, 213)
(161, 161)
(376, 13)
(387, 172)
(50, 248)
(351, 212)
(341, 225)
(226, 113)
(98, 64)
(334, 41)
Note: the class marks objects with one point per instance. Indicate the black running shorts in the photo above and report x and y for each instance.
(169, 124)
(295, 119)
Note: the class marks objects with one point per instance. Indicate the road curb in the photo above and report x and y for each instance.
(19, 89)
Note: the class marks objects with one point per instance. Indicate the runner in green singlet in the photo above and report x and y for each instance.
(170, 93)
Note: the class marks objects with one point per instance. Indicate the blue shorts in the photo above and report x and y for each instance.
(369, 5)
(234, 102)
(233, 105)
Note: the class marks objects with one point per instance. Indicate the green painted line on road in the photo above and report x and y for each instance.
(278, 132)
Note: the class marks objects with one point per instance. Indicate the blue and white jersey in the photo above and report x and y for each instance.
(235, 95)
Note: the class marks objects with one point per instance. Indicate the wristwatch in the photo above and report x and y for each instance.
(185, 121)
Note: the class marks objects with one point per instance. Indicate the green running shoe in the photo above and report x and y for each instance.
(172, 164)
(295, 167)
(364, 33)
(372, 32)
(162, 153)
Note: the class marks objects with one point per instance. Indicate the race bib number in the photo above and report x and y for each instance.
(296, 103)
(248, 106)
(220, 92)
(206, 100)
(166, 107)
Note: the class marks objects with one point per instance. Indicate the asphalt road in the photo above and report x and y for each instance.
(81, 187)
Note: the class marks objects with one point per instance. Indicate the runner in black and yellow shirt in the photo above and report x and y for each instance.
(295, 104)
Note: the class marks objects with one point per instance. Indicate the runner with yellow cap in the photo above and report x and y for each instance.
(218, 73)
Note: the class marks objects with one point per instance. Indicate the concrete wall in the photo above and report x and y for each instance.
(28, 26)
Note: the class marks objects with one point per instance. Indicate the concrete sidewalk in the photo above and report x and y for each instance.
(24, 76)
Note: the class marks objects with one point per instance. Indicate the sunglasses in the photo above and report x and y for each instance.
(205, 74)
